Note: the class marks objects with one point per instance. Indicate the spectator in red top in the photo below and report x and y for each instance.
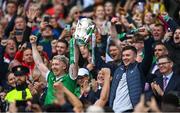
(25, 58)
(10, 51)
(57, 10)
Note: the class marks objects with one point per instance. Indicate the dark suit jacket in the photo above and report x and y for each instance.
(173, 85)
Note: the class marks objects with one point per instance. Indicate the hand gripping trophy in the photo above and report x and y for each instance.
(84, 32)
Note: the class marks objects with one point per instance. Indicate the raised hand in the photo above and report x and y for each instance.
(59, 93)
(12, 108)
(140, 107)
(22, 47)
(115, 20)
(33, 39)
(58, 86)
(86, 87)
(3, 42)
(158, 89)
(31, 13)
(94, 85)
(65, 33)
(168, 36)
(153, 105)
(143, 31)
(90, 66)
(20, 10)
(106, 72)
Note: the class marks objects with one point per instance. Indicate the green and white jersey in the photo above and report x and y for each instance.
(65, 79)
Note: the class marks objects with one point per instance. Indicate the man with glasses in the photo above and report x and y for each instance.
(167, 81)
(159, 50)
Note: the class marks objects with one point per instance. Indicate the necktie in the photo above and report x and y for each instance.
(164, 83)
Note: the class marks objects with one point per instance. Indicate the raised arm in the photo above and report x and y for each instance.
(76, 103)
(148, 51)
(73, 69)
(37, 58)
(106, 88)
(73, 99)
(31, 14)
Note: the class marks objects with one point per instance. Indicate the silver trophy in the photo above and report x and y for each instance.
(84, 30)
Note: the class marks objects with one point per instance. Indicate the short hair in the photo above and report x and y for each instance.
(98, 5)
(178, 28)
(62, 58)
(112, 44)
(10, 38)
(158, 24)
(12, 2)
(20, 17)
(160, 43)
(73, 10)
(64, 41)
(132, 48)
(165, 56)
(27, 48)
(138, 38)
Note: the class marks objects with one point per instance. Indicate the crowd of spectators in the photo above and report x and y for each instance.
(134, 66)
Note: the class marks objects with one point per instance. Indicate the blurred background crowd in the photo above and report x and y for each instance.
(133, 67)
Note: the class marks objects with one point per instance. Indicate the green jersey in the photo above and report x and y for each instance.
(51, 79)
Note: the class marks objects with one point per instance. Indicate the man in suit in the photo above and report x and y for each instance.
(168, 81)
(159, 50)
(128, 80)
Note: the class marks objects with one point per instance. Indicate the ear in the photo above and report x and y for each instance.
(67, 50)
(64, 67)
(171, 63)
(135, 55)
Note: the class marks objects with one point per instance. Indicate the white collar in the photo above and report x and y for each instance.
(169, 75)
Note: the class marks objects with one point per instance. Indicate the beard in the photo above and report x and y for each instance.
(21, 86)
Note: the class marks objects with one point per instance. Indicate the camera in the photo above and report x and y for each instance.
(46, 19)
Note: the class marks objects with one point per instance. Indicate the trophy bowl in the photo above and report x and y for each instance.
(84, 29)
